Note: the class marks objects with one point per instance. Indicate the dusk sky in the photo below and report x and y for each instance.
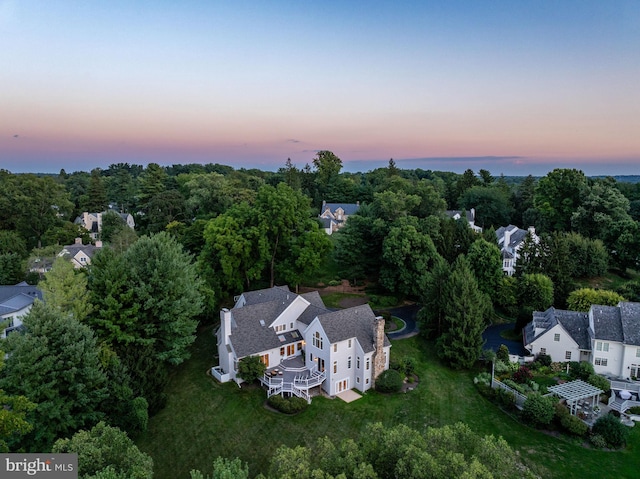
(512, 87)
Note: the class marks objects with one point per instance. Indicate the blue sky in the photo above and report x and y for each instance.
(513, 87)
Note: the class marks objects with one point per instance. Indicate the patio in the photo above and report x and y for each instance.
(582, 399)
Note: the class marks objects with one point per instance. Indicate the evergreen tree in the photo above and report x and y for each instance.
(56, 365)
(466, 309)
(65, 289)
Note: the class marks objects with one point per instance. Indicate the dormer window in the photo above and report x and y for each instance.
(280, 328)
(317, 340)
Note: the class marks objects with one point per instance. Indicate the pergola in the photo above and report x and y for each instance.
(577, 393)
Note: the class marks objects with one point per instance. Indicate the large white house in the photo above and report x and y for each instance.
(302, 343)
(607, 336)
(510, 241)
(15, 302)
(92, 222)
(470, 215)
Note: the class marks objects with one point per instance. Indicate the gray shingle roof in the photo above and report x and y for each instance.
(630, 319)
(249, 336)
(74, 249)
(14, 298)
(606, 323)
(348, 208)
(575, 323)
(357, 322)
(517, 235)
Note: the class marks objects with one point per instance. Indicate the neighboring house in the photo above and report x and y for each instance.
(92, 222)
(607, 336)
(470, 215)
(334, 215)
(15, 302)
(510, 240)
(80, 254)
(298, 336)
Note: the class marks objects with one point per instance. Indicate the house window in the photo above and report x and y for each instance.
(543, 350)
(638, 353)
(280, 328)
(601, 361)
(357, 362)
(567, 355)
(556, 337)
(291, 349)
(349, 363)
(350, 345)
(358, 380)
(367, 381)
(290, 325)
(317, 340)
(368, 360)
(299, 346)
(335, 347)
(600, 346)
(282, 351)
(335, 367)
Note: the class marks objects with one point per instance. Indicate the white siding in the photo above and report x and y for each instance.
(556, 349)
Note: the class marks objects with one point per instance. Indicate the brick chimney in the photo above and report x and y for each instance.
(379, 359)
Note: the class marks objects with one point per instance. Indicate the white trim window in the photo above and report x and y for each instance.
(602, 346)
(601, 361)
(556, 337)
(567, 355)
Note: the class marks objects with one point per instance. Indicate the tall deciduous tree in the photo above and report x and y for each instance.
(582, 299)
(466, 309)
(432, 315)
(492, 205)
(65, 289)
(56, 365)
(104, 448)
(485, 260)
(557, 196)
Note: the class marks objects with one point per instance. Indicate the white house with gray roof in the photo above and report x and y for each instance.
(15, 302)
(302, 343)
(607, 336)
(510, 241)
(470, 215)
(334, 215)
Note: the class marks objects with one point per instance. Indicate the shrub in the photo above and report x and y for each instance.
(581, 370)
(503, 353)
(612, 430)
(390, 381)
(634, 410)
(598, 441)
(557, 367)
(600, 382)
(522, 375)
(505, 398)
(409, 365)
(538, 410)
(483, 379)
(573, 425)
(290, 405)
(334, 282)
(251, 368)
(543, 359)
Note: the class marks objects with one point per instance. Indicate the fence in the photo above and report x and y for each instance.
(518, 397)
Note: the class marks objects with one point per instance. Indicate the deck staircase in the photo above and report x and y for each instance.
(296, 381)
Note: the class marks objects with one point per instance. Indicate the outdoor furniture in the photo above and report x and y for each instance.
(624, 394)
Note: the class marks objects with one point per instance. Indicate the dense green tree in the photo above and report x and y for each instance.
(535, 293)
(492, 205)
(538, 410)
(96, 197)
(291, 175)
(11, 268)
(166, 287)
(112, 223)
(65, 289)
(236, 251)
(486, 263)
(12, 243)
(466, 310)
(327, 167)
(105, 447)
(589, 256)
(623, 241)
(206, 195)
(601, 205)
(407, 257)
(35, 204)
(225, 469)
(465, 182)
(65, 233)
(390, 206)
(523, 201)
(582, 299)
(121, 186)
(251, 368)
(358, 246)
(308, 250)
(557, 196)
(432, 315)
(13, 419)
(60, 372)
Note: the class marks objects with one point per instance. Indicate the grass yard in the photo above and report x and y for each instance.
(204, 419)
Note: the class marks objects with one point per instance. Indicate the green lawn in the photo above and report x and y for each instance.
(204, 419)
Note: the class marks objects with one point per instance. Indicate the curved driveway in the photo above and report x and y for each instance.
(493, 340)
(408, 315)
